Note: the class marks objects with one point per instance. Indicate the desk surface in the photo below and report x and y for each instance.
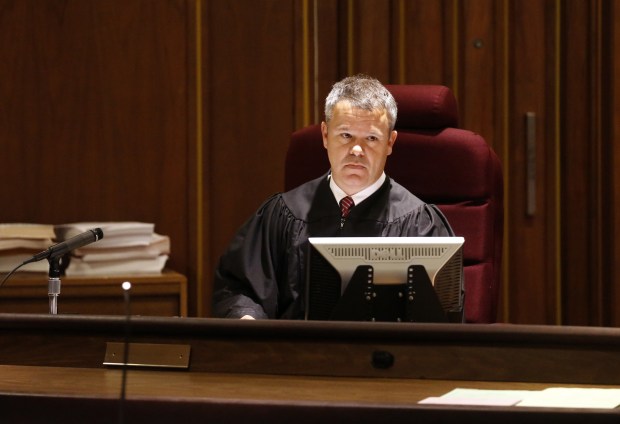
(50, 394)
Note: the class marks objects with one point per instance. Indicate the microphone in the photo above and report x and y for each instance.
(60, 249)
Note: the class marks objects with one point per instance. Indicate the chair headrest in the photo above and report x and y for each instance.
(425, 106)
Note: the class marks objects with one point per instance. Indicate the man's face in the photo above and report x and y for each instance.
(358, 143)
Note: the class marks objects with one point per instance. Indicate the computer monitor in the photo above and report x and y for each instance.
(410, 279)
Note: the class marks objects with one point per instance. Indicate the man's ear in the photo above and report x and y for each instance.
(324, 133)
(391, 141)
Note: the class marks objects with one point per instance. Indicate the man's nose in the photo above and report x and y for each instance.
(357, 150)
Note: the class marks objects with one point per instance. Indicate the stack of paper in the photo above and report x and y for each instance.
(126, 248)
(552, 397)
(20, 241)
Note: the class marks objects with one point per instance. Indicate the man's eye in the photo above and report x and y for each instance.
(372, 138)
(345, 135)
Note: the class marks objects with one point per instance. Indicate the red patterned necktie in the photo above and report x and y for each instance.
(345, 206)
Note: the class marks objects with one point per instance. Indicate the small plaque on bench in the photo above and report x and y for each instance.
(148, 355)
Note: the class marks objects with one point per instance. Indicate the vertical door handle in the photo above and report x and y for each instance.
(530, 158)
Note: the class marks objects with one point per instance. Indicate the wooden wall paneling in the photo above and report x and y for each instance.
(369, 38)
(600, 124)
(477, 72)
(423, 51)
(317, 62)
(328, 51)
(550, 167)
(450, 51)
(250, 80)
(602, 147)
(581, 195)
(576, 221)
(531, 280)
(305, 61)
(345, 62)
(197, 218)
(94, 113)
(605, 59)
(613, 105)
(500, 141)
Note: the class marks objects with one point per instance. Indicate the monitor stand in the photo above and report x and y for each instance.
(413, 301)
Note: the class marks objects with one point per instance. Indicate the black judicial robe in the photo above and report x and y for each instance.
(262, 273)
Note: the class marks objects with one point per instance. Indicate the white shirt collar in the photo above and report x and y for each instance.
(360, 196)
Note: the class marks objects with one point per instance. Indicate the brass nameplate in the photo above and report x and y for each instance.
(148, 355)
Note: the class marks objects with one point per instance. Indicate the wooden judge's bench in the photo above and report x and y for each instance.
(68, 369)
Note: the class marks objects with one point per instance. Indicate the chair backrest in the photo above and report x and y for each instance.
(441, 164)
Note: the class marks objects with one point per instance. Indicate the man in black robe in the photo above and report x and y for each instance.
(262, 274)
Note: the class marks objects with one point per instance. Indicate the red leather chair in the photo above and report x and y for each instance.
(442, 164)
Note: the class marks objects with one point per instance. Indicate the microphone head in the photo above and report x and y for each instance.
(98, 233)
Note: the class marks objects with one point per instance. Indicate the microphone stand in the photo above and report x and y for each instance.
(53, 285)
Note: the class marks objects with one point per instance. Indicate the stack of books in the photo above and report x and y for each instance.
(20, 241)
(127, 248)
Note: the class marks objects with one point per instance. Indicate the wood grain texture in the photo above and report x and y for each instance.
(94, 116)
(179, 112)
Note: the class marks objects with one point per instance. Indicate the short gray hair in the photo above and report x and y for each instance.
(363, 92)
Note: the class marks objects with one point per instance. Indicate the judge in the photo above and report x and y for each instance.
(262, 274)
